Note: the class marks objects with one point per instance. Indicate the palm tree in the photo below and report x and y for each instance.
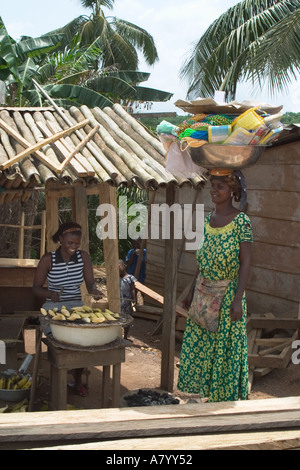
(255, 40)
(119, 39)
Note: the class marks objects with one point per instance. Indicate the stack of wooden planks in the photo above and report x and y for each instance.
(270, 343)
(258, 424)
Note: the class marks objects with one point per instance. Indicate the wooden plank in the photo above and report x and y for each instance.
(21, 237)
(286, 177)
(51, 218)
(252, 349)
(274, 232)
(271, 282)
(17, 276)
(260, 303)
(277, 347)
(78, 148)
(11, 328)
(80, 213)
(169, 313)
(279, 258)
(107, 195)
(79, 163)
(177, 420)
(270, 440)
(275, 323)
(159, 298)
(34, 148)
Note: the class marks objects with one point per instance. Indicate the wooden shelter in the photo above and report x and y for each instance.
(74, 154)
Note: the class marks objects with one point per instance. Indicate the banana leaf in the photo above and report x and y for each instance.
(7, 52)
(150, 94)
(34, 47)
(76, 94)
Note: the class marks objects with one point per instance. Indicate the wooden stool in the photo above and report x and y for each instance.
(62, 360)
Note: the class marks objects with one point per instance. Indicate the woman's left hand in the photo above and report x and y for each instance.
(236, 310)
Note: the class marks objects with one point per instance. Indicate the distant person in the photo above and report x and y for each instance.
(132, 260)
(127, 293)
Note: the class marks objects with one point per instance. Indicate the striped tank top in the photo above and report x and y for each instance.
(67, 275)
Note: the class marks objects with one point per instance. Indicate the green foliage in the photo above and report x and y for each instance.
(291, 118)
(90, 61)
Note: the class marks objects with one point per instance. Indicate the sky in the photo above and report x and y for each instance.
(174, 24)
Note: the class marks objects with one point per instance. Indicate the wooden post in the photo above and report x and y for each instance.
(21, 236)
(144, 240)
(51, 217)
(80, 213)
(43, 234)
(108, 195)
(81, 216)
(169, 311)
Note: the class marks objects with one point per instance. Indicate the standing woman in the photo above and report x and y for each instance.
(214, 361)
(65, 270)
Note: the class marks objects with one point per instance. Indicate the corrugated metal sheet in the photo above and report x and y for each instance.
(122, 151)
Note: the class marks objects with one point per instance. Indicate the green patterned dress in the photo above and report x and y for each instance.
(215, 364)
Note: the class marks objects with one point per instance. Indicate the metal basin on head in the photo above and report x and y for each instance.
(225, 156)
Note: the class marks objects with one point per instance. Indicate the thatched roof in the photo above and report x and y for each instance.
(120, 152)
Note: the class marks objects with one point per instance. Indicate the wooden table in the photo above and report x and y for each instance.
(61, 360)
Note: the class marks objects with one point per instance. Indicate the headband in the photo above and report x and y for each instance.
(74, 229)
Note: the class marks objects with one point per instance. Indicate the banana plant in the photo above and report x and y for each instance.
(18, 62)
(71, 77)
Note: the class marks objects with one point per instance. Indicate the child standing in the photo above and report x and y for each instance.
(127, 293)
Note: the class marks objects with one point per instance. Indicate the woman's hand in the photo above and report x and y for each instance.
(54, 296)
(186, 302)
(236, 309)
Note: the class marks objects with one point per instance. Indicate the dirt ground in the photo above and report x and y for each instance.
(142, 369)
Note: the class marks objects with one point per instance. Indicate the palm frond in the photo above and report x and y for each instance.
(139, 38)
(226, 52)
